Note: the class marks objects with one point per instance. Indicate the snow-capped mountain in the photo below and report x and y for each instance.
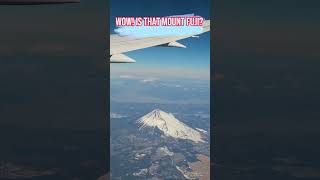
(169, 125)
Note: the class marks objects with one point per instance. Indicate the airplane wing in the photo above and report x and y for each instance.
(122, 44)
(36, 2)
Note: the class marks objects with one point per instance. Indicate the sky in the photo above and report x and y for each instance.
(192, 62)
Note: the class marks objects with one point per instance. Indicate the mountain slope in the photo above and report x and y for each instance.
(169, 125)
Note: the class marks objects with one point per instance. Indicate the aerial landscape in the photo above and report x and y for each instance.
(164, 140)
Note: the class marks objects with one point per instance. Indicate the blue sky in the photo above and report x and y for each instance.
(194, 59)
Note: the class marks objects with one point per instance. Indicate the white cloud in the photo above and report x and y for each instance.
(149, 80)
(116, 116)
(128, 77)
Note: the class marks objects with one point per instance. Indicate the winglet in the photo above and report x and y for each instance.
(121, 58)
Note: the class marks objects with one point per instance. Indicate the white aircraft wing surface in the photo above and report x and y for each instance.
(121, 44)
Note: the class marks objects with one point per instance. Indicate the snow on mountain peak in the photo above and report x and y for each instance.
(169, 125)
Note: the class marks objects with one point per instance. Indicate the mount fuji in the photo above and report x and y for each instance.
(169, 126)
